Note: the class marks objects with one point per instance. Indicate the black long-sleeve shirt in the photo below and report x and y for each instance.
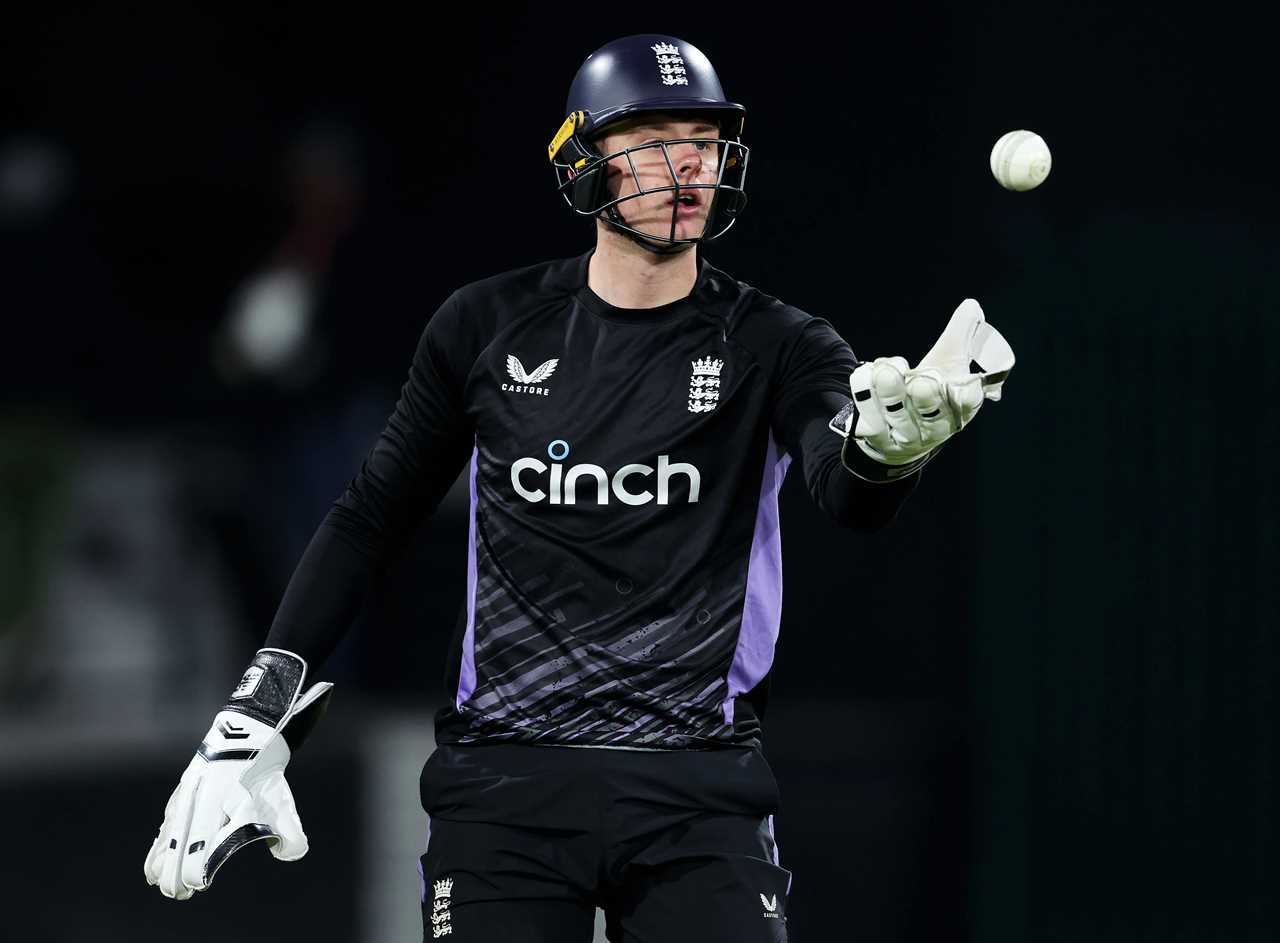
(624, 582)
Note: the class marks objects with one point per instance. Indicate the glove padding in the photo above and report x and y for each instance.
(234, 793)
(904, 414)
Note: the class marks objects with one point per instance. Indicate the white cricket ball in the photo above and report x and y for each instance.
(1020, 160)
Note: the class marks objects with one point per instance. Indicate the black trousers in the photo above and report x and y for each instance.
(526, 842)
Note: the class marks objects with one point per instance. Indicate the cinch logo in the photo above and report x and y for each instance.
(562, 484)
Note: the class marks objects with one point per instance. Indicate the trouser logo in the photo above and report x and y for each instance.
(770, 906)
(440, 925)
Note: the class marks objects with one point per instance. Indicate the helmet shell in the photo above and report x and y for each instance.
(648, 73)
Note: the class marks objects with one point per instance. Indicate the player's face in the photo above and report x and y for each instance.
(694, 157)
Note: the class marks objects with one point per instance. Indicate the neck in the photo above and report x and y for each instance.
(626, 276)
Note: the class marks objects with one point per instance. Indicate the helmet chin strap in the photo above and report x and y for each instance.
(615, 217)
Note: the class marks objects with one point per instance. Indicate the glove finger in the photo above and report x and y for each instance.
(238, 815)
(888, 389)
(951, 352)
(281, 816)
(177, 827)
(927, 397)
(207, 819)
(176, 810)
(870, 426)
(966, 397)
(994, 358)
(151, 867)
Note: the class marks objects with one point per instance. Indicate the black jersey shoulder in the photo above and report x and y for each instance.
(476, 313)
(542, 281)
(754, 318)
(765, 325)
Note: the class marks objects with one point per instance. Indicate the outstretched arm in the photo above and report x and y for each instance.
(813, 387)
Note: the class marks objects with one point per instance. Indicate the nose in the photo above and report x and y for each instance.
(688, 161)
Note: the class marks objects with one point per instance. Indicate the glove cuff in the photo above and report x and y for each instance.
(861, 465)
(269, 687)
(267, 707)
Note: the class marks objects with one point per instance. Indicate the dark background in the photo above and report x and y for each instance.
(1039, 707)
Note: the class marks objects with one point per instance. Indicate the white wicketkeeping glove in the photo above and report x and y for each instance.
(234, 791)
(903, 415)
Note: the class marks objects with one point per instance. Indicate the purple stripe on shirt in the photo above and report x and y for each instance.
(467, 671)
(776, 861)
(762, 605)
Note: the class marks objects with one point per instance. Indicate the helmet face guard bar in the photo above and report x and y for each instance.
(580, 178)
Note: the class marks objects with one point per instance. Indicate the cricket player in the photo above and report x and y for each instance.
(625, 419)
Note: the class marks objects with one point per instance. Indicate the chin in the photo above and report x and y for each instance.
(684, 230)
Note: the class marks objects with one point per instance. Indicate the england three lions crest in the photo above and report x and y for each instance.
(704, 385)
(671, 70)
(441, 917)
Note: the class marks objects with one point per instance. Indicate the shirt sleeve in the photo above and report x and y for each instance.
(415, 460)
(813, 387)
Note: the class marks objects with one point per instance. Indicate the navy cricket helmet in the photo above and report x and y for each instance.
(648, 74)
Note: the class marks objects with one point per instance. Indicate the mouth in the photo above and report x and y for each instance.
(687, 202)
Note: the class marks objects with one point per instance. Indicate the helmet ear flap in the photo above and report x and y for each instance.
(588, 190)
